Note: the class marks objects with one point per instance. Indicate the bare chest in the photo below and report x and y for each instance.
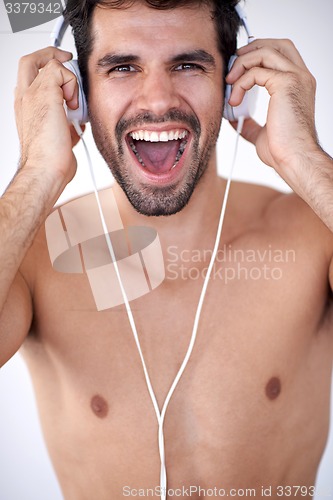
(250, 386)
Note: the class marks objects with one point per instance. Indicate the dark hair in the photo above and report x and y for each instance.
(79, 14)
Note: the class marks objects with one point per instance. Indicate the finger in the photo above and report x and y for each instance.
(284, 46)
(266, 57)
(53, 83)
(54, 74)
(30, 65)
(273, 81)
(270, 79)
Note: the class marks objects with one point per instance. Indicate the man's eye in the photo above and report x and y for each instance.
(187, 67)
(125, 68)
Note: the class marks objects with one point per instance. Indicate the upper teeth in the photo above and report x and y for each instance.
(146, 135)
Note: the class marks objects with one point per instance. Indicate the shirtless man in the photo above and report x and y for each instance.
(252, 407)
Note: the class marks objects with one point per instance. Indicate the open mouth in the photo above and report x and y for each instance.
(158, 152)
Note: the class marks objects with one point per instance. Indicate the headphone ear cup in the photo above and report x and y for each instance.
(81, 113)
(228, 110)
(246, 107)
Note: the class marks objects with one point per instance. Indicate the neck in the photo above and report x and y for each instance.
(195, 226)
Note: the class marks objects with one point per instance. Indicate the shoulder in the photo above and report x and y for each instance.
(69, 225)
(290, 213)
(60, 231)
(285, 215)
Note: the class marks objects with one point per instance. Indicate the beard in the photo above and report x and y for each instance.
(156, 200)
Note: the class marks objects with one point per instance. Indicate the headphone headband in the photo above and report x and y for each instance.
(59, 31)
(242, 16)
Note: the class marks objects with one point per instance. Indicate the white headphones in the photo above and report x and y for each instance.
(248, 104)
(80, 115)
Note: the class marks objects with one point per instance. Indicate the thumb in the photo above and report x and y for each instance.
(250, 131)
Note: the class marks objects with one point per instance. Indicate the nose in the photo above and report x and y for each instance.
(158, 93)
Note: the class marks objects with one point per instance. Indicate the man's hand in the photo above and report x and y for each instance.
(289, 133)
(288, 142)
(47, 165)
(45, 136)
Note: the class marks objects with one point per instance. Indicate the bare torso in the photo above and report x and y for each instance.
(252, 407)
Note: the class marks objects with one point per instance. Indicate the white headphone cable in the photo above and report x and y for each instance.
(161, 416)
(201, 300)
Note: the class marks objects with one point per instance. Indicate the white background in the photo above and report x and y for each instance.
(25, 470)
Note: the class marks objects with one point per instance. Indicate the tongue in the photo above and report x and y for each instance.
(158, 157)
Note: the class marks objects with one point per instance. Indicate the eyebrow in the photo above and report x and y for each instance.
(198, 55)
(195, 56)
(115, 59)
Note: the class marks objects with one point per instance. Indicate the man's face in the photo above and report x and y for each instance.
(155, 100)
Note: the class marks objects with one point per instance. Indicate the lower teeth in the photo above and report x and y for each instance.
(178, 157)
(137, 154)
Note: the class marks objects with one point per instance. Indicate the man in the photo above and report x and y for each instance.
(247, 409)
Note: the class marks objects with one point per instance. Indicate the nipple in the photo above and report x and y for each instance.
(273, 388)
(99, 406)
